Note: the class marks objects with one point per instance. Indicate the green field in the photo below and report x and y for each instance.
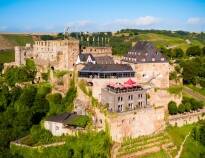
(7, 56)
(192, 149)
(19, 40)
(165, 40)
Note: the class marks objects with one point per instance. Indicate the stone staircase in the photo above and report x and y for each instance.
(145, 145)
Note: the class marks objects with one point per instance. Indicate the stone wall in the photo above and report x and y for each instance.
(136, 123)
(187, 118)
(156, 74)
(161, 97)
(60, 54)
(98, 51)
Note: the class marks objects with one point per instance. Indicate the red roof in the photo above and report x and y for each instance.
(130, 82)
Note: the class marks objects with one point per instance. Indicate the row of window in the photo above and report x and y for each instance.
(143, 59)
(130, 97)
(130, 106)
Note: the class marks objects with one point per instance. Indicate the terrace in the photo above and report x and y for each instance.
(128, 86)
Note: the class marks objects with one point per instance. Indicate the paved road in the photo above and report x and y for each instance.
(194, 94)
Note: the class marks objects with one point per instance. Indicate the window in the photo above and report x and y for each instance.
(119, 108)
(130, 105)
(139, 95)
(130, 97)
(120, 99)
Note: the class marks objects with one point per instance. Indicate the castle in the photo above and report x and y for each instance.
(58, 54)
(128, 88)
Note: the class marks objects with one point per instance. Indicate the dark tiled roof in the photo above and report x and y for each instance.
(107, 68)
(59, 118)
(84, 57)
(144, 52)
(104, 60)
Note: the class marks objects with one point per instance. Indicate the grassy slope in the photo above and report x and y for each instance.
(19, 40)
(11, 41)
(192, 149)
(160, 154)
(177, 135)
(199, 90)
(7, 56)
(165, 40)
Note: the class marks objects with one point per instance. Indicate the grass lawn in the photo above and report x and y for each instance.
(7, 56)
(160, 154)
(196, 89)
(178, 134)
(192, 149)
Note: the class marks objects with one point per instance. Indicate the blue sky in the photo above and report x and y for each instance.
(101, 15)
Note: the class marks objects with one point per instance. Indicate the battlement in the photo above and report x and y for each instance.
(97, 51)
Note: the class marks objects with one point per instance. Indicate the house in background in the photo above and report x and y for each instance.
(66, 123)
(85, 59)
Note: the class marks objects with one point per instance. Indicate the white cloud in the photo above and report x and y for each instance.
(195, 20)
(140, 21)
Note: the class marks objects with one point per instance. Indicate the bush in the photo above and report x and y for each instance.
(181, 108)
(40, 135)
(187, 107)
(175, 90)
(172, 107)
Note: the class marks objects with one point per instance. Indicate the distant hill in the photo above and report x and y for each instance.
(8, 41)
(162, 39)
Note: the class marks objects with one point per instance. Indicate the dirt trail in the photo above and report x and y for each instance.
(182, 145)
(194, 94)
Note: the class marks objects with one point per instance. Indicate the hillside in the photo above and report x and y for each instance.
(161, 39)
(8, 41)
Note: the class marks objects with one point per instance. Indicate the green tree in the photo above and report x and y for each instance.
(178, 53)
(172, 107)
(193, 51)
(203, 51)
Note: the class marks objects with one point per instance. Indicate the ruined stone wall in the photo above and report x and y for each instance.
(21, 53)
(136, 123)
(161, 97)
(60, 54)
(155, 73)
(98, 51)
